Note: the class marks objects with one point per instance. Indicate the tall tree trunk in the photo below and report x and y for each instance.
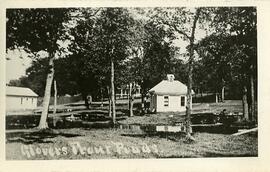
(110, 103)
(190, 73)
(112, 93)
(245, 103)
(188, 106)
(46, 100)
(252, 96)
(55, 98)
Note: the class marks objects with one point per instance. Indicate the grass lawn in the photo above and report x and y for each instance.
(93, 143)
(78, 143)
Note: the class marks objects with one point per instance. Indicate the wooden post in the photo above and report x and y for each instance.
(245, 104)
(121, 93)
(101, 90)
(252, 96)
(110, 103)
(131, 92)
(223, 94)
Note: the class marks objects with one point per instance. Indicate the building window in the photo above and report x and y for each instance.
(182, 100)
(32, 100)
(21, 100)
(166, 100)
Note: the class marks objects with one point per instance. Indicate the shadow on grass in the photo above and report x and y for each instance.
(177, 156)
(35, 137)
(170, 136)
(219, 154)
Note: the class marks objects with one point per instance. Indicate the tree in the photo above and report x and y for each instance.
(184, 22)
(36, 75)
(190, 71)
(153, 56)
(66, 76)
(241, 22)
(217, 57)
(229, 54)
(35, 30)
(115, 32)
(84, 63)
(129, 78)
(21, 82)
(101, 44)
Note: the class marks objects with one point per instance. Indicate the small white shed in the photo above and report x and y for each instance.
(168, 96)
(20, 98)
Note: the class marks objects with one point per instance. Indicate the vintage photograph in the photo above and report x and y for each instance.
(131, 83)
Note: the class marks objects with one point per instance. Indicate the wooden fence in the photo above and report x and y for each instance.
(61, 100)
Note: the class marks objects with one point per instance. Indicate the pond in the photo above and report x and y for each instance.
(99, 119)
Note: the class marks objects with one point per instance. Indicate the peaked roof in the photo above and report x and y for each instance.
(170, 88)
(20, 91)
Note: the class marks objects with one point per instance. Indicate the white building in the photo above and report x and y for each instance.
(168, 96)
(20, 98)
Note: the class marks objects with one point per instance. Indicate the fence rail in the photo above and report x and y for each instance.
(61, 100)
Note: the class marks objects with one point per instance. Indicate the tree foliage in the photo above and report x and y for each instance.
(35, 29)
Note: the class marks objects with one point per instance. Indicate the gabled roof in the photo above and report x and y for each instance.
(166, 87)
(20, 91)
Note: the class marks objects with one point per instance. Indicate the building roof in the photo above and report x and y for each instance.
(167, 87)
(20, 91)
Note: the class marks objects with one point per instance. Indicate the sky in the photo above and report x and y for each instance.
(16, 65)
(18, 61)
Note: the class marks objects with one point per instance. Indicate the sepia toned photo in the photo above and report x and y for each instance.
(131, 83)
